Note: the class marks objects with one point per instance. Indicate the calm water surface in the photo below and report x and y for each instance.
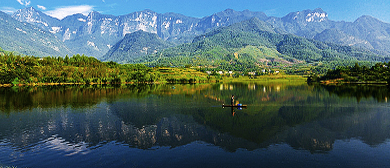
(185, 126)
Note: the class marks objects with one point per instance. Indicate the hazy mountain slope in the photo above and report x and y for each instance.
(366, 31)
(376, 32)
(135, 45)
(35, 17)
(226, 18)
(28, 39)
(339, 37)
(305, 23)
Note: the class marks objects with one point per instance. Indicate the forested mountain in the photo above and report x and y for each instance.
(250, 43)
(95, 34)
(27, 39)
(135, 45)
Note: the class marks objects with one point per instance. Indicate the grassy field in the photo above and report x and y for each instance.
(189, 73)
(183, 74)
(294, 79)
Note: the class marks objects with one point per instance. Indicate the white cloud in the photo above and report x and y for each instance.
(41, 7)
(8, 10)
(24, 2)
(64, 11)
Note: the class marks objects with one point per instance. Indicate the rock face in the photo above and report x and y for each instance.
(96, 33)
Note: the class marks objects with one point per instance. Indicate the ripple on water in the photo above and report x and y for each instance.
(43, 153)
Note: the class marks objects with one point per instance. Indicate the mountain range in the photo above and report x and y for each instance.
(95, 34)
(252, 43)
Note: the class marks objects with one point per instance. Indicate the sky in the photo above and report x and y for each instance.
(338, 10)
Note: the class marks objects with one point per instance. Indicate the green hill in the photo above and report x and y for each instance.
(135, 45)
(253, 43)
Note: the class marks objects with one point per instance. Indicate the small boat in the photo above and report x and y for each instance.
(237, 105)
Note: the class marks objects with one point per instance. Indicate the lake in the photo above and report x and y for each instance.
(283, 125)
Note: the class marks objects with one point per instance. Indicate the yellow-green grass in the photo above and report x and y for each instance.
(182, 73)
(279, 78)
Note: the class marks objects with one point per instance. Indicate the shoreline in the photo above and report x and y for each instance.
(108, 83)
(357, 83)
(258, 79)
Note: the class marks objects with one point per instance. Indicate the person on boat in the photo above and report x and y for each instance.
(232, 100)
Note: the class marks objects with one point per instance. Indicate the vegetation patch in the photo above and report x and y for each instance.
(281, 78)
(377, 74)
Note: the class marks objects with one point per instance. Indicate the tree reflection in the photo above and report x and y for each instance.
(378, 92)
(80, 96)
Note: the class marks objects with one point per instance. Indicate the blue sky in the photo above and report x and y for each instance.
(338, 10)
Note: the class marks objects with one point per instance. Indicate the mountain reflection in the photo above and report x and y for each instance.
(306, 117)
(91, 129)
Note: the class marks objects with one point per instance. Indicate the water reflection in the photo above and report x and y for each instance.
(78, 119)
(81, 96)
(378, 92)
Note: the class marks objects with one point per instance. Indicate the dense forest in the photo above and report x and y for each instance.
(379, 73)
(17, 69)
